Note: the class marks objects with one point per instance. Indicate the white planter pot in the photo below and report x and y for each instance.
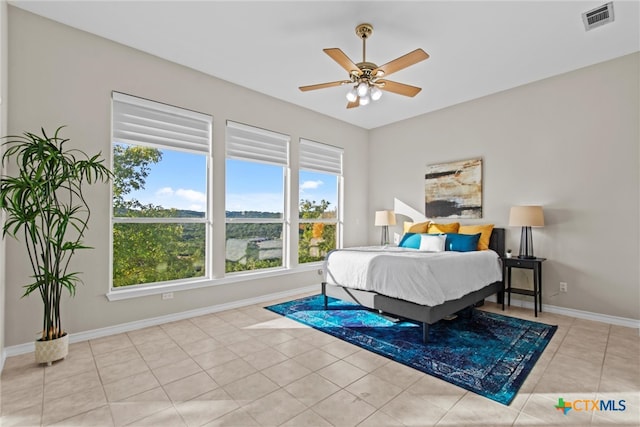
(50, 351)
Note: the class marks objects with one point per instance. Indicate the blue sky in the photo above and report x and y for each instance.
(178, 181)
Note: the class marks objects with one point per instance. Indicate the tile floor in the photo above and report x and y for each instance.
(250, 367)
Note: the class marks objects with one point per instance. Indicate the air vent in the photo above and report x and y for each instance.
(599, 16)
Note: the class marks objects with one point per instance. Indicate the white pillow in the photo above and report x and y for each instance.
(432, 243)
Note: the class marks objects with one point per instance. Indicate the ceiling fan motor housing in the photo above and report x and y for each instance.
(366, 72)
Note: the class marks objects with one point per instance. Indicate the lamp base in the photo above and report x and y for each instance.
(526, 244)
(384, 236)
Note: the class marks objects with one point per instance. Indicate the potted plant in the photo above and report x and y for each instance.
(45, 204)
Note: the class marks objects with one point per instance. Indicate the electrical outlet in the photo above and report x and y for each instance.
(563, 286)
(167, 295)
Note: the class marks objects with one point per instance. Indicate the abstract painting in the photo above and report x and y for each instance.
(454, 189)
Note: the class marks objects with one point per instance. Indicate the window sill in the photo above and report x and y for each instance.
(142, 291)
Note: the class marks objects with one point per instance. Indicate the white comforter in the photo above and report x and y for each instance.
(426, 278)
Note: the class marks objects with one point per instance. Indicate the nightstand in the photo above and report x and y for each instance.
(534, 264)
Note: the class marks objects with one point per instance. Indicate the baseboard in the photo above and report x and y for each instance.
(140, 324)
(3, 358)
(579, 314)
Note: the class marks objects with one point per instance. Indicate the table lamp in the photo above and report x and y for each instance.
(384, 219)
(526, 217)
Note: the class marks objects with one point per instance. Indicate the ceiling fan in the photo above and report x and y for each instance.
(367, 77)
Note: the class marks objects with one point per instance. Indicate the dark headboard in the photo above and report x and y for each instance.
(497, 240)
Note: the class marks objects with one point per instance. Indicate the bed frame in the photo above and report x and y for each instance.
(425, 314)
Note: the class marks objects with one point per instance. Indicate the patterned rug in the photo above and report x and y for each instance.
(486, 353)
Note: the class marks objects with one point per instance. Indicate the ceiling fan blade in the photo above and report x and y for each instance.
(402, 62)
(399, 88)
(323, 85)
(343, 60)
(354, 104)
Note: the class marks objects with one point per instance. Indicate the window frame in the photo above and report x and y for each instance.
(323, 158)
(121, 134)
(266, 147)
(289, 223)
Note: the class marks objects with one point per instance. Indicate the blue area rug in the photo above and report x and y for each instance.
(486, 353)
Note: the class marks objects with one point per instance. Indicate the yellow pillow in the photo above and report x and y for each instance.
(485, 230)
(416, 227)
(443, 228)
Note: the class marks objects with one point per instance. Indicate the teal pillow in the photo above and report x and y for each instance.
(410, 240)
(461, 242)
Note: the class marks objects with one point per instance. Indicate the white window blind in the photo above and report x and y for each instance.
(140, 121)
(251, 143)
(320, 157)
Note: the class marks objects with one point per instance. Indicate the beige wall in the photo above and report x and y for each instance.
(569, 143)
(60, 75)
(3, 127)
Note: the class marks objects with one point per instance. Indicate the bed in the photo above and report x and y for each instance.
(416, 310)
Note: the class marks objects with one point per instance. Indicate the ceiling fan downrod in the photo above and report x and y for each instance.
(365, 89)
(364, 31)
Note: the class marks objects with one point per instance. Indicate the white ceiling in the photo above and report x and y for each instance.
(476, 47)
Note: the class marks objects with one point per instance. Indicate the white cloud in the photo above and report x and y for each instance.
(164, 192)
(262, 202)
(178, 199)
(311, 185)
(192, 195)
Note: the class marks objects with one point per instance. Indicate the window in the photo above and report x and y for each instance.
(160, 216)
(256, 180)
(319, 209)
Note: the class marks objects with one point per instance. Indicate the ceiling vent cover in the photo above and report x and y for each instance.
(599, 16)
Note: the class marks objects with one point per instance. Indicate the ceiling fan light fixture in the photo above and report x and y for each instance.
(363, 89)
(365, 77)
(352, 95)
(376, 93)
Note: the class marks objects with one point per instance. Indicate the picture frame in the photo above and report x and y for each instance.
(454, 189)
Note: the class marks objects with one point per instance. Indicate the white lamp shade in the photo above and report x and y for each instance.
(362, 89)
(526, 216)
(352, 95)
(376, 93)
(385, 218)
